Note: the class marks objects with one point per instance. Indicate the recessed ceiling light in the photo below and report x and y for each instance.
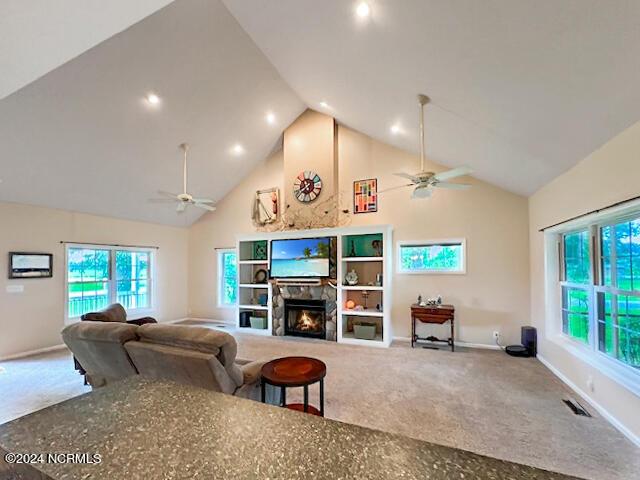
(153, 99)
(395, 129)
(324, 104)
(237, 149)
(363, 10)
(270, 118)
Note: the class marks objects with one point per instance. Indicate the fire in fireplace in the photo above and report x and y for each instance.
(305, 318)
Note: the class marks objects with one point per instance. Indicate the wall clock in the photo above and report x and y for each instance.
(307, 186)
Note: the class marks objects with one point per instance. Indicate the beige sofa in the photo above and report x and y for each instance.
(189, 354)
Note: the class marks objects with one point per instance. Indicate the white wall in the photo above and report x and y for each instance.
(33, 319)
(493, 295)
(609, 175)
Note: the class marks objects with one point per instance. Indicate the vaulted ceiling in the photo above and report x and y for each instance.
(521, 90)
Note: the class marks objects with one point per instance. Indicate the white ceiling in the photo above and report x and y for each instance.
(83, 138)
(37, 36)
(522, 89)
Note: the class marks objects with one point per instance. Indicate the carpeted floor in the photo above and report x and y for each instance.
(477, 400)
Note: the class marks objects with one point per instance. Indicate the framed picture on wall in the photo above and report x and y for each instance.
(365, 196)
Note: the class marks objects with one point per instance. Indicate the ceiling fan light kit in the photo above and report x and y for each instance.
(184, 199)
(424, 182)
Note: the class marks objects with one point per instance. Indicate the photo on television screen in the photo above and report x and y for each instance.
(303, 257)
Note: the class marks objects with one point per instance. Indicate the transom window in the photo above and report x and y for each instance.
(600, 284)
(227, 278)
(446, 256)
(98, 276)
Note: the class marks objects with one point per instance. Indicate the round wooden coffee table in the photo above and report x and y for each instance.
(295, 372)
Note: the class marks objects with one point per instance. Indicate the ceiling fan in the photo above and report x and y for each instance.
(184, 199)
(425, 182)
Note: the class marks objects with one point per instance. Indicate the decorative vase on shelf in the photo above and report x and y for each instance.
(351, 278)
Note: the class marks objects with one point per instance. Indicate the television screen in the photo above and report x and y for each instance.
(303, 257)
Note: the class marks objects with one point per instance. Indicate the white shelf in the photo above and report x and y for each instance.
(257, 331)
(253, 262)
(362, 287)
(348, 337)
(362, 259)
(369, 312)
(254, 285)
(253, 307)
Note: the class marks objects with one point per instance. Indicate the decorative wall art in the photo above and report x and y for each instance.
(266, 207)
(307, 186)
(365, 196)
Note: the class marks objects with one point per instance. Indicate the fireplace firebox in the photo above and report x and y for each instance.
(305, 318)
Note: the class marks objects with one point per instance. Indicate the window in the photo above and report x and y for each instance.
(442, 256)
(227, 278)
(92, 285)
(600, 284)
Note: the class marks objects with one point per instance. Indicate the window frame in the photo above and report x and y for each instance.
(428, 243)
(220, 253)
(112, 281)
(590, 352)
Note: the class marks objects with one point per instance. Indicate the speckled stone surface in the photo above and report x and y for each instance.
(146, 430)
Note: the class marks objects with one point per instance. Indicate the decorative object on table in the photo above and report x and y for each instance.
(260, 250)
(364, 331)
(350, 305)
(259, 323)
(378, 280)
(351, 278)
(365, 295)
(307, 186)
(420, 302)
(266, 207)
(424, 182)
(30, 265)
(377, 247)
(365, 196)
(435, 315)
(352, 249)
(432, 302)
(260, 276)
(184, 199)
(263, 299)
(439, 299)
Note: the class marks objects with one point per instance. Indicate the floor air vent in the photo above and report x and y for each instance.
(576, 408)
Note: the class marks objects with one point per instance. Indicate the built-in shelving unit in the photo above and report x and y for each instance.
(365, 250)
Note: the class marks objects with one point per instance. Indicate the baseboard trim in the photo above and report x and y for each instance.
(617, 424)
(29, 353)
(458, 344)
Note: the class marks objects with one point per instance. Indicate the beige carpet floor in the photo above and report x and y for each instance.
(477, 400)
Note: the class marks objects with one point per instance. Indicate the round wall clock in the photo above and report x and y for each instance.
(307, 186)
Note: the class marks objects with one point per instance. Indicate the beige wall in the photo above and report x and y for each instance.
(611, 174)
(33, 319)
(493, 295)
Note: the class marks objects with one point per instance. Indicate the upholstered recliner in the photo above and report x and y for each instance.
(115, 313)
(99, 347)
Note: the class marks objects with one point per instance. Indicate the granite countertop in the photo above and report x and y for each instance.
(150, 430)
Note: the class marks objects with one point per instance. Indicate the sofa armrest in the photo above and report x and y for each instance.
(251, 372)
(142, 321)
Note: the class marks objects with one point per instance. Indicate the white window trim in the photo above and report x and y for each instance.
(618, 371)
(150, 311)
(404, 243)
(220, 253)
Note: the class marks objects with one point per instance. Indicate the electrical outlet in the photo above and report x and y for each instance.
(496, 334)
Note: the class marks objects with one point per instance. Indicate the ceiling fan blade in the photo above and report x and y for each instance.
(408, 176)
(202, 200)
(456, 172)
(396, 188)
(161, 200)
(181, 207)
(452, 186)
(167, 194)
(204, 206)
(421, 192)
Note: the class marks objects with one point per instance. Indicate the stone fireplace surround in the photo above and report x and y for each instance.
(320, 292)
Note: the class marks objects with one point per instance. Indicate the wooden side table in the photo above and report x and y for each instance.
(295, 372)
(437, 314)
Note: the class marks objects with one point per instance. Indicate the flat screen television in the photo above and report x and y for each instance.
(300, 258)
